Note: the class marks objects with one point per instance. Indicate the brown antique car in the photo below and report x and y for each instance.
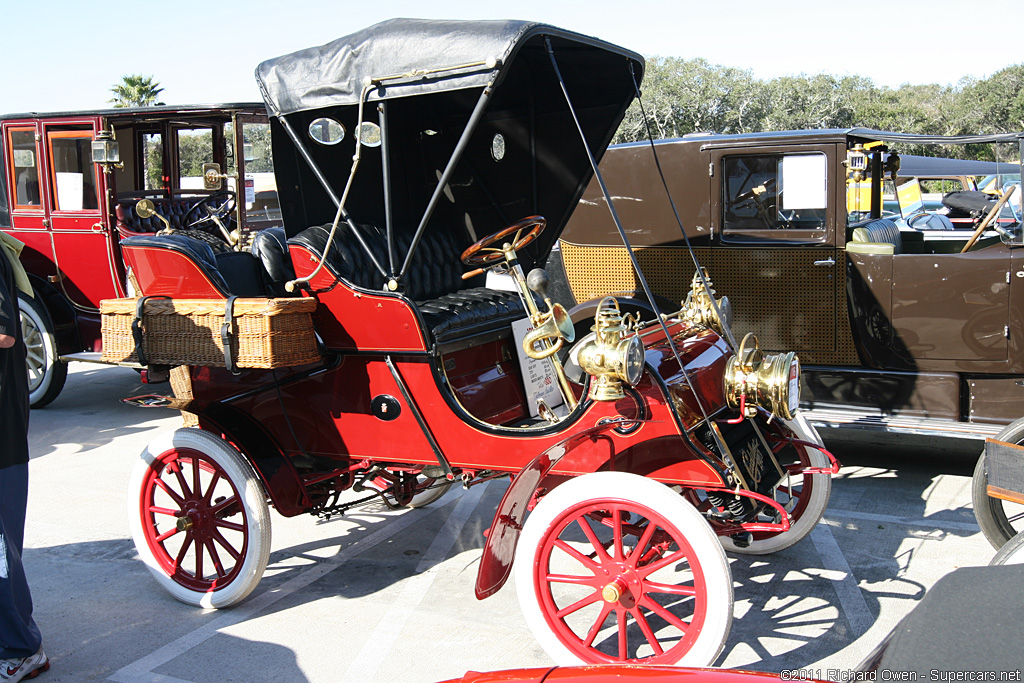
(69, 183)
(899, 329)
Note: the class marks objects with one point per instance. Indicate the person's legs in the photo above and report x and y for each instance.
(19, 635)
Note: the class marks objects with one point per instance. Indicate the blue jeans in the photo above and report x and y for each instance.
(19, 635)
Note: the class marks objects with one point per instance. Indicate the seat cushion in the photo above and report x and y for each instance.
(470, 312)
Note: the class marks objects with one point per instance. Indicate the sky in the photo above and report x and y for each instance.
(61, 55)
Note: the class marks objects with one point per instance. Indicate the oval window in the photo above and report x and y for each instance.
(498, 147)
(369, 134)
(327, 131)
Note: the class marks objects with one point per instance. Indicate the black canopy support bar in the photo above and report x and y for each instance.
(330, 192)
(460, 147)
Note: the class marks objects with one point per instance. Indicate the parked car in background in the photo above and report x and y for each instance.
(899, 330)
(68, 187)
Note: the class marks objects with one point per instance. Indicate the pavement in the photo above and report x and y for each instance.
(383, 595)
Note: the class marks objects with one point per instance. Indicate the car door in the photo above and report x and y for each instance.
(24, 180)
(83, 251)
(774, 245)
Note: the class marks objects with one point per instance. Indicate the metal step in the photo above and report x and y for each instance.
(93, 357)
(837, 418)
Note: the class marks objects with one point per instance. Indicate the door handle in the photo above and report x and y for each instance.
(826, 262)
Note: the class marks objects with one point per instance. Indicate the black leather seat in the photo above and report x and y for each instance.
(233, 273)
(452, 315)
(270, 247)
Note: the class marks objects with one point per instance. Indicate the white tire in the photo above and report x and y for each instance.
(806, 510)
(46, 373)
(672, 604)
(199, 518)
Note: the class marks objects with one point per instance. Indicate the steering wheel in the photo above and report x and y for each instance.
(482, 253)
(218, 205)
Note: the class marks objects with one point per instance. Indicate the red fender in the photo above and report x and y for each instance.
(500, 548)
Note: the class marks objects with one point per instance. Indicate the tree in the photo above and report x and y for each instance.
(135, 90)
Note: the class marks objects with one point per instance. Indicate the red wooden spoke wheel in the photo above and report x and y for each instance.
(804, 496)
(483, 252)
(614, 567)
(199, 518)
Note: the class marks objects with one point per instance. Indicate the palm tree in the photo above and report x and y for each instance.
(135, 90)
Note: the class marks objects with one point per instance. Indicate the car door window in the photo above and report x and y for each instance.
(24, 168)
(73, 175)
(774, 192)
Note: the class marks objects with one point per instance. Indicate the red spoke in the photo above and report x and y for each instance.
(199, 560)
(163, 511)
(578, 605)
(166, 488)
(167, 534)
(211, 486)
(641, 545)
(566, 578)
(176, 469)
(620, 616)
(218, 509)
(224, 524)
(645, 628)
(235, 554)
(665, 561)
(618, 552)
(577, 555)
(672, 589)
(664, 614)
(592, 537)
(197, 486)
(596, 628)
(217, 566)
(184, 549)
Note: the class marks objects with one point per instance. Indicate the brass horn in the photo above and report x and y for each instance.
(557, 326)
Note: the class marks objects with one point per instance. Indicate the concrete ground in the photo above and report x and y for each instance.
(382, 595)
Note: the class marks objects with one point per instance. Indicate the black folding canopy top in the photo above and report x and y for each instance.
(524, 155)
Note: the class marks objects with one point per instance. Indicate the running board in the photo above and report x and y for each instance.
(93, 357)
(826, 418)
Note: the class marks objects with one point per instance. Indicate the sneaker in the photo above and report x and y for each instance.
(23, 668)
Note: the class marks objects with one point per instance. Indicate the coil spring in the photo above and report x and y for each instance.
(733, 505)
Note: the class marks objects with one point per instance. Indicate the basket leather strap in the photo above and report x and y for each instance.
(226, 334)
(140, 354)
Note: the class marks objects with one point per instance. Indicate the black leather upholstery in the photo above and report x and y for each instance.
(270, 247)
(174, 210)
(884, 230)
(433, 281)
(129, 221)
(231, 272)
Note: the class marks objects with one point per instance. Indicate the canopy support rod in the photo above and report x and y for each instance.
(385, 171)
(629, 247)
(330, 193)
(460, 147)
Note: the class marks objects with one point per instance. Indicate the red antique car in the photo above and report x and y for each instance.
(69, 183)
(641, 453)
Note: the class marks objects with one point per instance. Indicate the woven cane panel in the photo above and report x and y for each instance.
(790, 304)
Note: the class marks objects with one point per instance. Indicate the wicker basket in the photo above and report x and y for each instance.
(264, 333)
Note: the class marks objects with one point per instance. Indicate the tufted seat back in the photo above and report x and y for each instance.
(434, 282)
(231, 272)
(130, 223)
(880, 232)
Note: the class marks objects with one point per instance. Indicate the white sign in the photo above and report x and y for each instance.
(803, 182)
(539, 378)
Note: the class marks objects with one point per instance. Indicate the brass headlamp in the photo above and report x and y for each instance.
(699, 306)
(610, 358)
(771, 381)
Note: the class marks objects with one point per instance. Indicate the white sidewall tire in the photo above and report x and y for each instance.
(649, 493)
(41, 345)
(1012, 551)
(253, 499)
(821, 491)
